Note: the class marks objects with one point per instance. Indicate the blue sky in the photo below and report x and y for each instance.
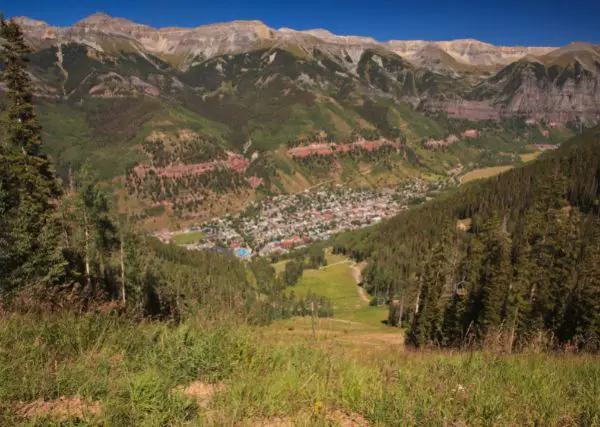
(508, 22)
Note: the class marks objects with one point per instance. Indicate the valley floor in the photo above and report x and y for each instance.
(356, 324)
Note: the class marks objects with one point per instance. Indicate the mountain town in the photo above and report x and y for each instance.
(280, 223)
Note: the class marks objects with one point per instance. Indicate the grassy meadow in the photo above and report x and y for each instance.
(188, 238)
(102, 370)
(336, 281)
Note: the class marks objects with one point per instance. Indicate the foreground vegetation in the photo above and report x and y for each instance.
(102, 368)
(128, 373)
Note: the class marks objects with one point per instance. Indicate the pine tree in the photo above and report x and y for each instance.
(428, 322)
(581, 320)
(495, 277)
(518, 306)
(29, 241)
(23, 129)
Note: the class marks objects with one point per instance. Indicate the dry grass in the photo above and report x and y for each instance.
(484, 173)
(62, 409)
(528, 157)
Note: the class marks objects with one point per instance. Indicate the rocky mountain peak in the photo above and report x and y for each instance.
(107, 24)
(26, 22)
(97, 18)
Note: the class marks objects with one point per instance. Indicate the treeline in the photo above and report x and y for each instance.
(512, 260)
(64, 246)
(278, 288)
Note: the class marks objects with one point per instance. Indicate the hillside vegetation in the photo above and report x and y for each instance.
(102, 370)
(510, 261)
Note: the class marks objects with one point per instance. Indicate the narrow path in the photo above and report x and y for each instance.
(356, 273)
(345, 261)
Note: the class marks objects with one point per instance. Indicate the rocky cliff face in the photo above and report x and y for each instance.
(563, 85)
(469, 51)
(232, 37)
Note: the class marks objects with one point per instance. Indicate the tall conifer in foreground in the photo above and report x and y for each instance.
(29, 249)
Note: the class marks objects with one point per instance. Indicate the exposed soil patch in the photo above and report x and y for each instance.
(440, 143)
(470, 133)
(471, 110)
(62, 409)
(433, 144)
(200, 391)
(357, 274)
(255, 181)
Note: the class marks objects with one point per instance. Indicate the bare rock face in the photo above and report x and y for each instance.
(469, 51)
(238, 36)
(561, 86)
(344, 40)
(576, 98)
(205, 41)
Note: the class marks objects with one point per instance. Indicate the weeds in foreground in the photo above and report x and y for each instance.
(134, 373)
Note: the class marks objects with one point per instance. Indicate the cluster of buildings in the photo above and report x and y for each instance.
(282, 222)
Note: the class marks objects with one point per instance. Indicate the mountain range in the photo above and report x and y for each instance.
(238, 36)
(556, 83)
(179, 119)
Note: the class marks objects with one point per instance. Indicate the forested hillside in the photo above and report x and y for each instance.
(513, 259)
(63, 244)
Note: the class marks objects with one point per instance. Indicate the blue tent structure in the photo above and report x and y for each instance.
(243, 252)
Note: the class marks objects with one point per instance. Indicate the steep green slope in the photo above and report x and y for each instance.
(509, 257)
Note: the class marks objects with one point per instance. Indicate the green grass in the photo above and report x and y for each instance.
(336, 282)
(132, 371)
(188, 238)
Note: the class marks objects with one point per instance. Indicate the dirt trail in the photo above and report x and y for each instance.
(357, 273)
(345, 261)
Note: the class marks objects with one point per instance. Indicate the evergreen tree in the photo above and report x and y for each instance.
(292, 272)
(518, 307)
(23, 129)
(316, 257)
(581, 320)
(495, 277)
(428, 322)
(29, 241)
